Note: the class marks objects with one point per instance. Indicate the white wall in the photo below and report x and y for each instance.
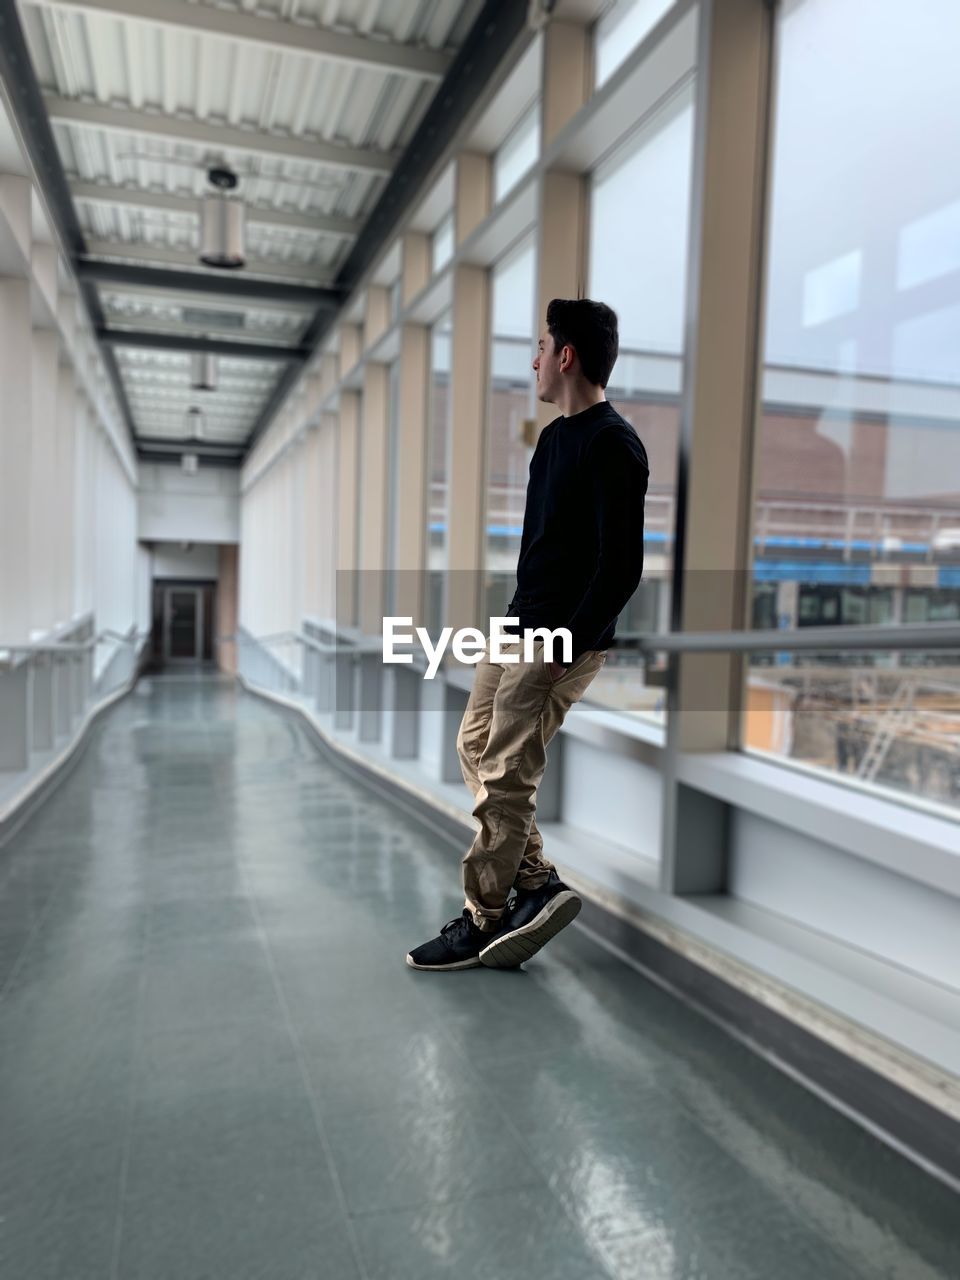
(177, 507)
(844, 897)
(201, 560)
(68, 471)
(289, 492)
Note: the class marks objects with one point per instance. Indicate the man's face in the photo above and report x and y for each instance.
(546, 366)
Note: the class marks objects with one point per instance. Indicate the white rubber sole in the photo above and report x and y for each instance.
(510, 951)
(442, 968)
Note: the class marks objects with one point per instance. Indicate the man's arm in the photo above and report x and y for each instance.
(617, 479)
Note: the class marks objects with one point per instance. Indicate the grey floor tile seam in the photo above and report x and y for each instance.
(131, 1104)
(307, 1081)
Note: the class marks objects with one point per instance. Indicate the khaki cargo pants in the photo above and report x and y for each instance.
(513, 712)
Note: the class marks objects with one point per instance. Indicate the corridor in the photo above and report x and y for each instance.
(215, 1063)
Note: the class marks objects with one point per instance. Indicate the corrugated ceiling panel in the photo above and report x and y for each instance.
(126, 64)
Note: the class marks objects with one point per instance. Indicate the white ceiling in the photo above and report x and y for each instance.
(310, 102)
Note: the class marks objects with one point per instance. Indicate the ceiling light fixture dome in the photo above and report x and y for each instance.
(222, 222)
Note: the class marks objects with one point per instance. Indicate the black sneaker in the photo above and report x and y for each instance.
(533, 920)
(457, 947)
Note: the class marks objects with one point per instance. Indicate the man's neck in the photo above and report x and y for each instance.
(576, 399)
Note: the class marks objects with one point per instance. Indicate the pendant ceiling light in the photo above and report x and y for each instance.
(222, 222)
(194, 422)
(203, 371)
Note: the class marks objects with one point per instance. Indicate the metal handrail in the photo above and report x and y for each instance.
(875, 637)
(72, 646)
(918, 637)
(282, 637)
(66, 646)
(109, 634)
(321, 646)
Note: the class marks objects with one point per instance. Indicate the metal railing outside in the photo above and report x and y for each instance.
(874, 637)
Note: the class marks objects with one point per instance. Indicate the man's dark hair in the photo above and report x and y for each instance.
(591, 329)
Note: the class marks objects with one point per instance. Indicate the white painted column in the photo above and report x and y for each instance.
(16, 351)
(16, 356)
(45, 370)
(65, 493)
(16, 342)
(296, 462)
(83, 520)
(16, 682)
(45, 377)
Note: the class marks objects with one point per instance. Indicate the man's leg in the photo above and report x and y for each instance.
(527, 710)
(513, 711)
(471, 742)
(475, 725)
(460, 941)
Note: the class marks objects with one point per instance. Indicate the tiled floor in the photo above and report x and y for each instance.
(214, 1062)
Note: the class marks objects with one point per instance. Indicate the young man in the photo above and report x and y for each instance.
(581, 556)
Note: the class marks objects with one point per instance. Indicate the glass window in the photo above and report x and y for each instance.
(639, 224)
(518, 152)
(438, 462)
(857, 506)
(442, 245)
(621, 29)
(511, 401)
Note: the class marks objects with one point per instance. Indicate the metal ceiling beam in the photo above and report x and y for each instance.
(217, 137)
(188, 342)
(497, 29)
(272, 33)
(163, 256)
(197, 298)
(147, 379)
(146, 324)
(160, 431)
(231, 284)
(163, 450)
(170, 407)
(167, 456)
(166, 202)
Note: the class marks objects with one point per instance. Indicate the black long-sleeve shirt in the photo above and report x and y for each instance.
(581, 553)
